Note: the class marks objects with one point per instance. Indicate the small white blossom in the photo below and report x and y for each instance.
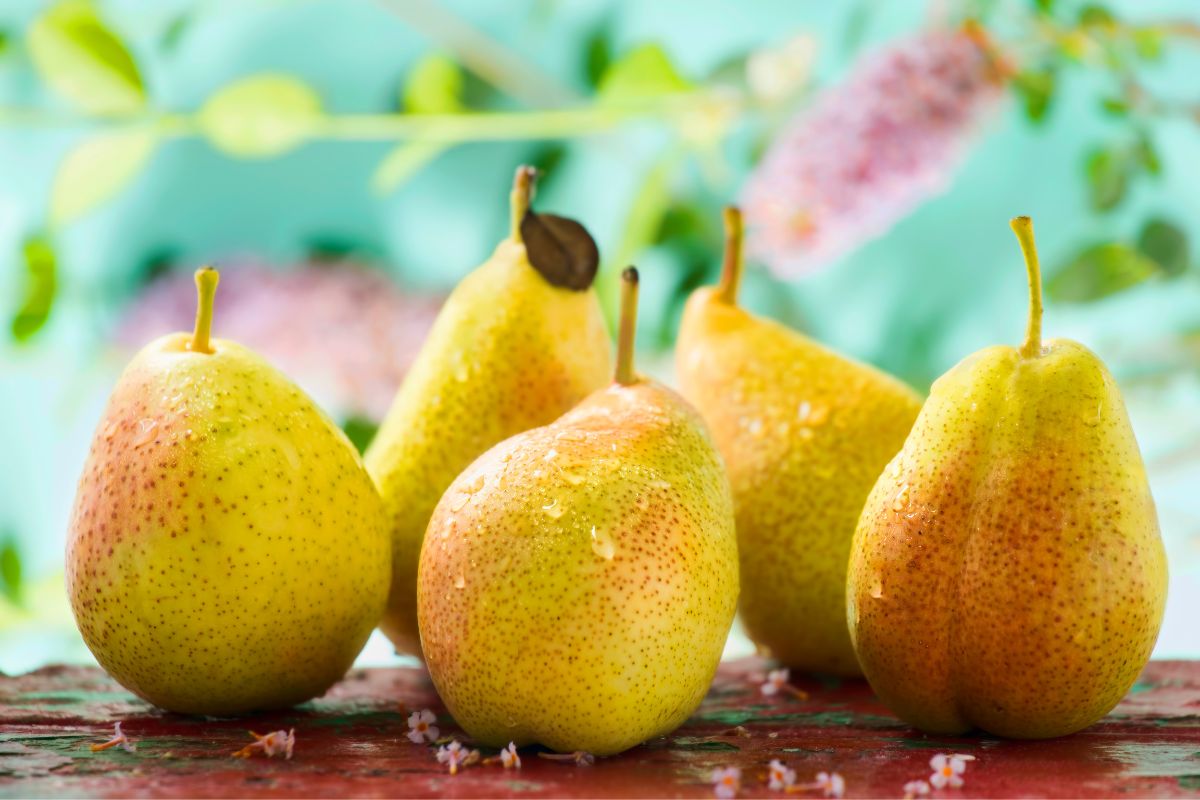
(509, 757)
(777, 679)
(421, 728)
(948, 770)
(727, 781)
(275, 743)
(831, 784)
(914, 789)
(118, 740)
(780, 777)
(454, 755)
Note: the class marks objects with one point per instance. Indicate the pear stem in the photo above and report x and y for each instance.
(206, 290)
(1023, 228)
(731, 267)
(522, 194)
(625, 335)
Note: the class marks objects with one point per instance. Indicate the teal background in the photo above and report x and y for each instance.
(944, 282)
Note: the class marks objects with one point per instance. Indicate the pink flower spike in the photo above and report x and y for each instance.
(948, 770)
(914, 789)
(118, 740)
(831, 784)
(780, 778)
(421, 728)
(270, 745)
(727, 782)
(869, 150)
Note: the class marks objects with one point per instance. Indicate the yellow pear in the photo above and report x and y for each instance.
(227, 550)
(519, 342)
(1007, 572)
(578, 581)
(804, 432)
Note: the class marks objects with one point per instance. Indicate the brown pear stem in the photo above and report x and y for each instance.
(1023, 228)
(522, 194)
(625, 335)
(206, 290)
(731, 268)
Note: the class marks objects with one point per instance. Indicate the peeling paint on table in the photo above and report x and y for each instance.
(353, 742)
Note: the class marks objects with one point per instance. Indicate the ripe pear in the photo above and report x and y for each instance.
(578, 581)
(227, 550)
(519, 342)
(805, 432)
(1008, 573)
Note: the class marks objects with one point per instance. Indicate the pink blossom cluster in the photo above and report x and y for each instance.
(345, 333)
(870, 149)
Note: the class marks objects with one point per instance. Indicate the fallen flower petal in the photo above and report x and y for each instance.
(727, 782)
(948, 770)
(118, 740)
(779, 777)
(270, 744)
(831, 784)
(421, 728)
(580, 757)
(914, 789)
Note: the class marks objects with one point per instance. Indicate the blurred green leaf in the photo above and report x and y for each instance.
(97, 169)
(3, 42)
(404, 161)
(41, 287)
(11, 585)
(1036, 89)
(173, 33)
(1115, 106)
(1148, 43)
(1044, 6)
(1096, 15)
(84, 61)
(261, 116)
(360, 432)
(597, 56)
(644, 73)
(434, 86)
(1107, 177)
(1146, 154)
(1166, 244)
(1100, 271)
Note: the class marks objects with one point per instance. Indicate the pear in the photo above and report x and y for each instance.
(578, 581)
(1008, 573)
(805, 432)
(227, 551)
(519, 342)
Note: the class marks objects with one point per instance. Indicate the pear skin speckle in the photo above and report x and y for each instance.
(805, 432)
(1020, 585)
(599, 577)
(509, 352)
(227, 551)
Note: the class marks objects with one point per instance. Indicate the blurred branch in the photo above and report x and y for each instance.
(478, 52)
(468, 126)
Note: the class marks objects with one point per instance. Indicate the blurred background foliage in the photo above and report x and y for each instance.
(346, 162)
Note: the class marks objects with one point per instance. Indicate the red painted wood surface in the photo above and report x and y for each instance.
(353, 743)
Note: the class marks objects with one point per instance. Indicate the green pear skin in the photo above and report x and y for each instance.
(578, 581)
(227, 551)
(508, 352)
(1007, 572)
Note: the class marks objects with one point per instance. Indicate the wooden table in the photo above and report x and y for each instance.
(353, 743)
